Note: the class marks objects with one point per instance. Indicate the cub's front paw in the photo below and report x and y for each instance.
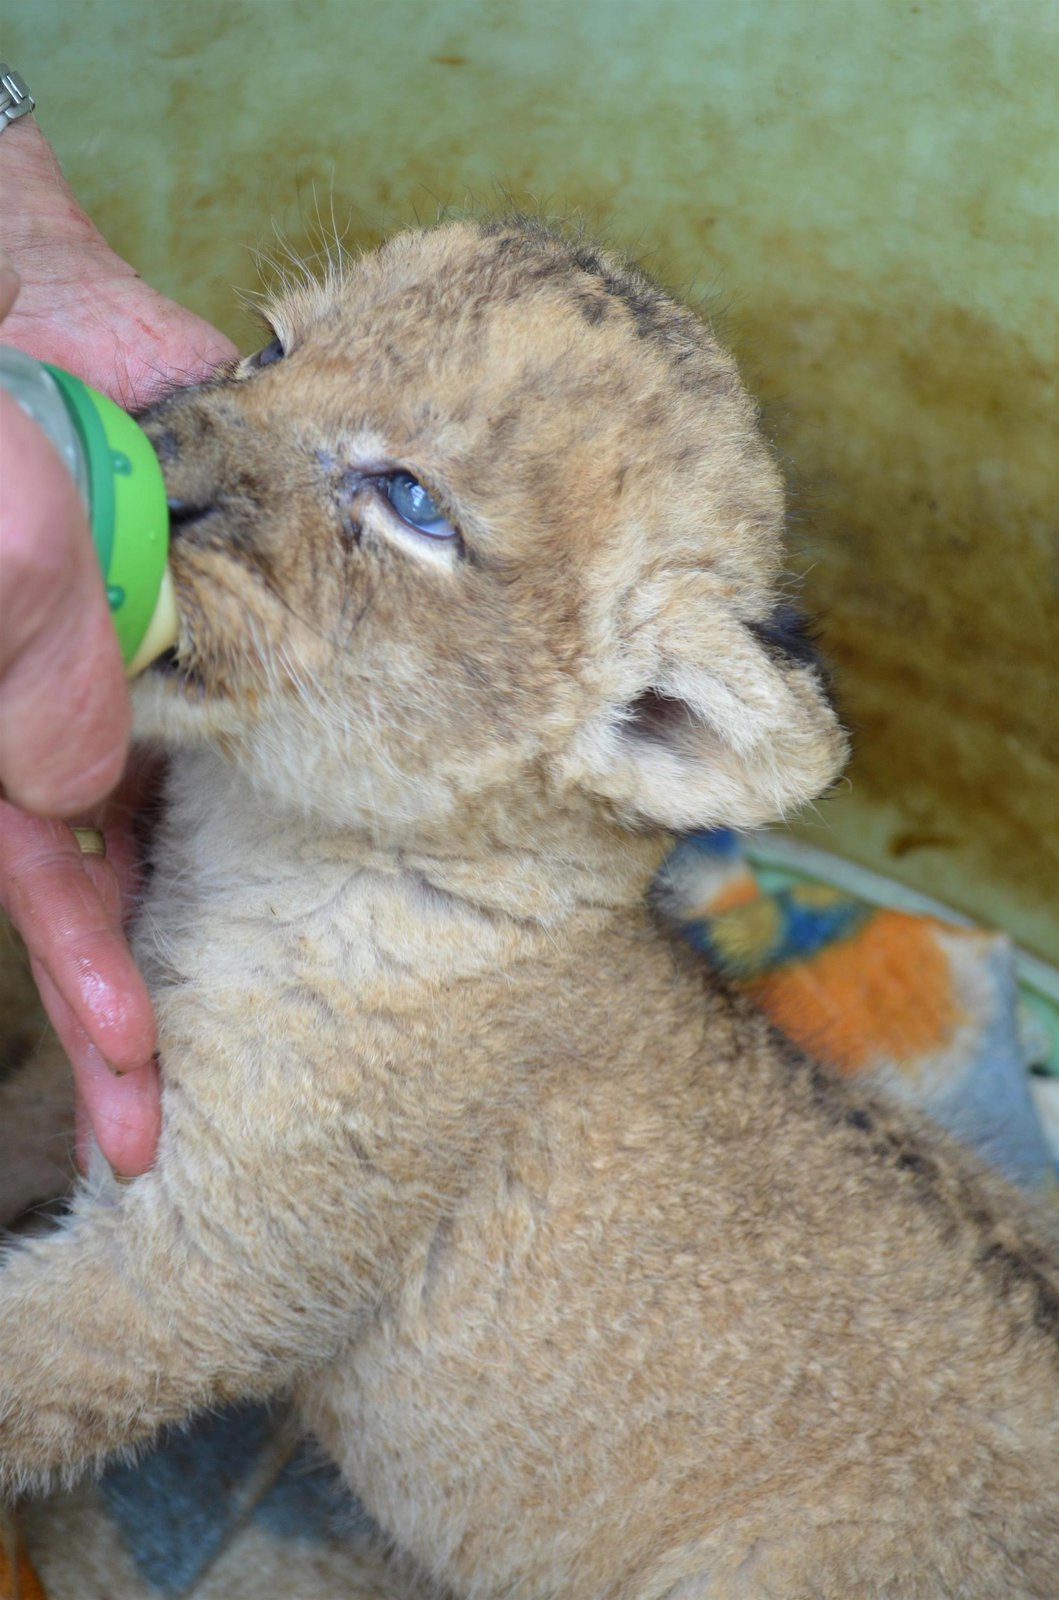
(38, 1446)
(63, 1403)
(52, 1427)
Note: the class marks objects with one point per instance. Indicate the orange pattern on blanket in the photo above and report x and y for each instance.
(737, 892)
(885, 992)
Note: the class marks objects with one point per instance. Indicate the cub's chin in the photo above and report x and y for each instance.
(170, 668)
(173, 705)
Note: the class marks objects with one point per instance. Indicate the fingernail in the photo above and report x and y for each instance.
(121, 1072)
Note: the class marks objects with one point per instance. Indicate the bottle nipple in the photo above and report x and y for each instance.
(162, 630)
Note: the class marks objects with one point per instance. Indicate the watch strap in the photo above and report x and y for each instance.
(15, 98)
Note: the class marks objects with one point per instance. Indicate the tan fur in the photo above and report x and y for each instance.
(591, 1288)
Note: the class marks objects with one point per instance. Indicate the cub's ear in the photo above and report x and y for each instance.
(719, 722)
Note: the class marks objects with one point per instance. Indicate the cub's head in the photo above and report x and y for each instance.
(489, 516)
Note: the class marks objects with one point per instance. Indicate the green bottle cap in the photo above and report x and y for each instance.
(130, 517)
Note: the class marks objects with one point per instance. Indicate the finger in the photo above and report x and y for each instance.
(64, 705)
(68, 911)
(125, 1112)
(177, 348)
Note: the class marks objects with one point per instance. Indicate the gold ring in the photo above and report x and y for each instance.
(90, 841)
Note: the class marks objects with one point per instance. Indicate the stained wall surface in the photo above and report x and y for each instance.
(864, 192)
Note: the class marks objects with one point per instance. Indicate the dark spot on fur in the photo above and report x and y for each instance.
(502, 232)
(1018, 1270)
(916, 1162)
(652, 312)
(437, 1250)
(825, 1093)
(504, 426)
(543, 255)
(360, 1152)
(787, 633)
(593, 309)
(942, 1185)
(898, 1149)
(166, 446)
(545, 269)
(242, 544)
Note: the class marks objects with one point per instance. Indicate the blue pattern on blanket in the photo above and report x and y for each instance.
(178, 1507)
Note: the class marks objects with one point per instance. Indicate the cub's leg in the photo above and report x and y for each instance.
(220, 1274)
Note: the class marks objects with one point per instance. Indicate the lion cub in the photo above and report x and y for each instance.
(593, 1290)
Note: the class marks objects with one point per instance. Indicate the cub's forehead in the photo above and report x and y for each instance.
(514, 296)
(450, 296)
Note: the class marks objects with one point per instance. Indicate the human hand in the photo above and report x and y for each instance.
(64, 713)
(80, 305)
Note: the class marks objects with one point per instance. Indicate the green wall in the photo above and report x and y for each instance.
(864, 192)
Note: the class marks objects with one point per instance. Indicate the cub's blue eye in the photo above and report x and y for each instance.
(414, 506)
(273, 351)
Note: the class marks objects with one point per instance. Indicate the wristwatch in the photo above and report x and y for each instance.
(15, 98)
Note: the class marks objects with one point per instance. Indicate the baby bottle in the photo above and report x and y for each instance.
(120, 482)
